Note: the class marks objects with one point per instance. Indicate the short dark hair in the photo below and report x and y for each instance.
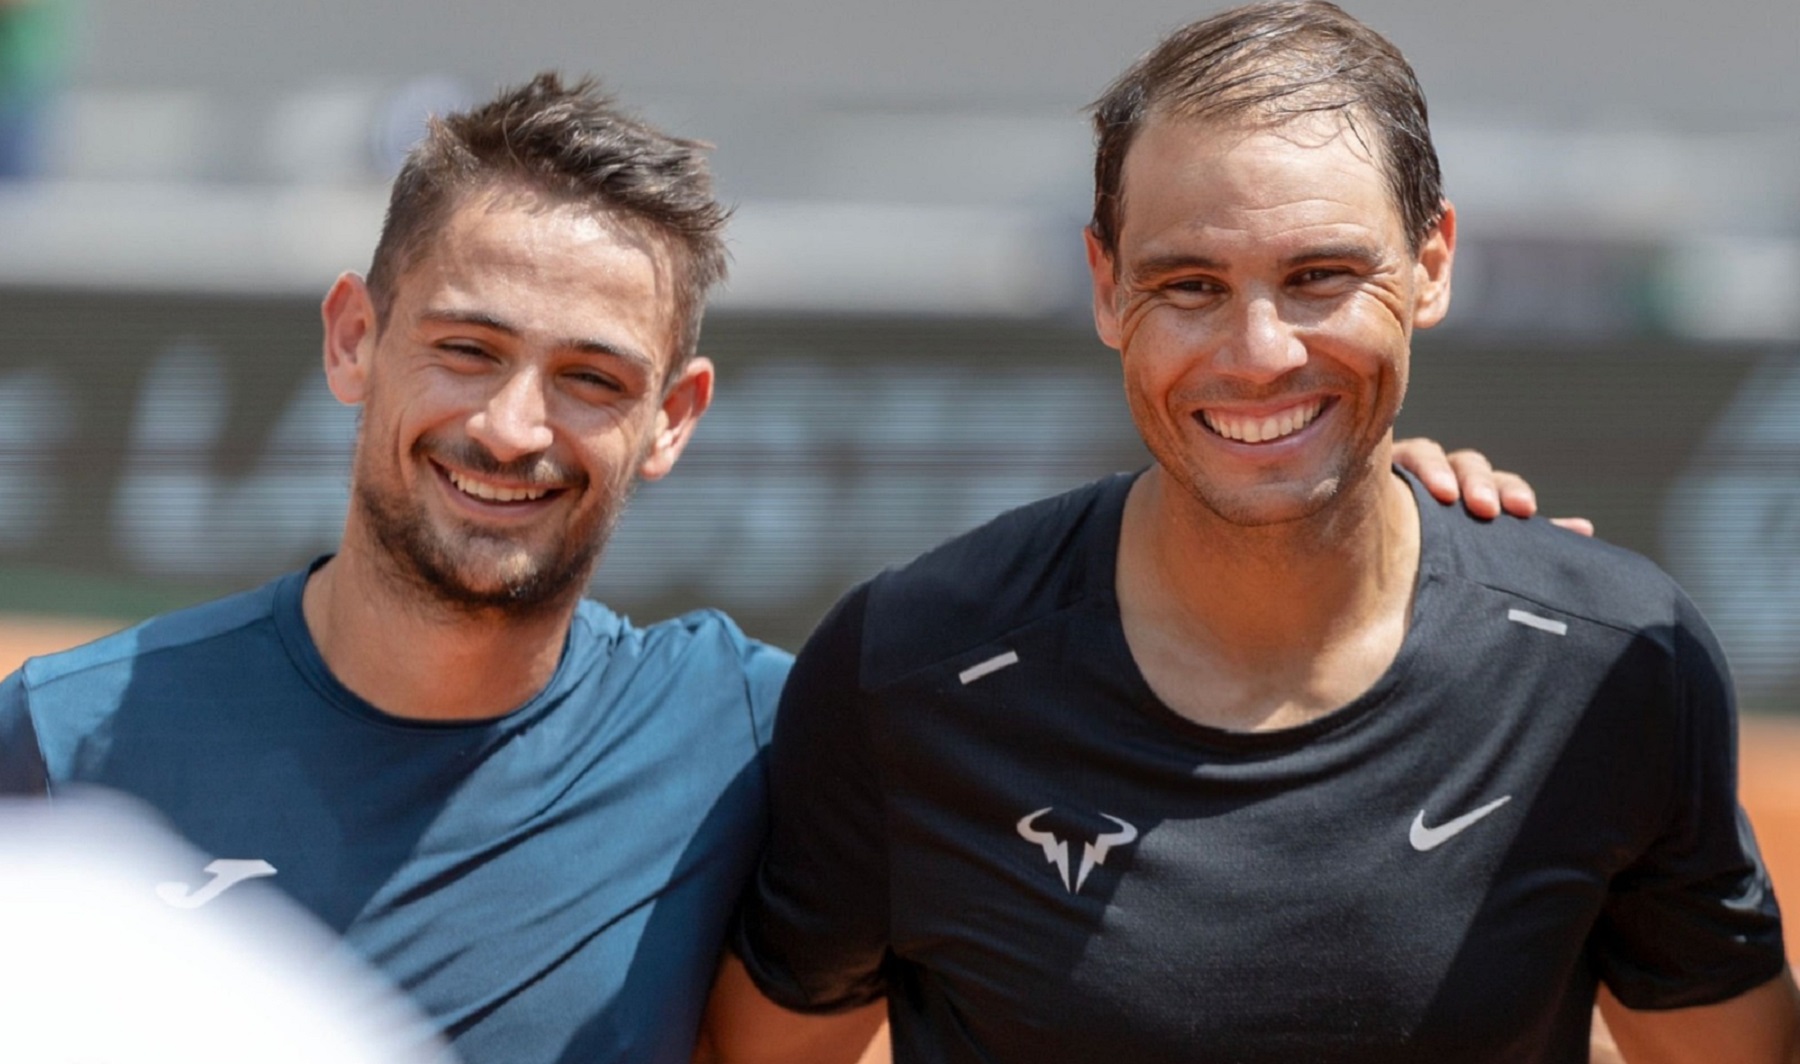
(568, 141)
(1275, 61)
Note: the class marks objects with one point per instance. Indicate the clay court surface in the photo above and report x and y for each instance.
(1770, 756)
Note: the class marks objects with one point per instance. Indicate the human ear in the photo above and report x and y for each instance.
(1106, 289)
(683, 402)
(349, 316)
(1437, 253)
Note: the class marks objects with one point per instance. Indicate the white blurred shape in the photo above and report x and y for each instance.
(98, 970)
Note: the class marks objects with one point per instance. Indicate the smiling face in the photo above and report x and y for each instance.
(1263, 298)
(518, 387)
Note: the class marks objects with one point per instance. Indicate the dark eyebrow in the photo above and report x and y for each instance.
(484, 320)
(1158, 265)
(1361, 254)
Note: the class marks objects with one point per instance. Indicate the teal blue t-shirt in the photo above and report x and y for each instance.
(549, 886)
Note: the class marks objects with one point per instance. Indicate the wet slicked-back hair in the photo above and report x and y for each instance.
(573, 143)
(1271, 62)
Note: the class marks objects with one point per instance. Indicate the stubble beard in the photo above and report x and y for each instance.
(1317, 515)
(477, 572)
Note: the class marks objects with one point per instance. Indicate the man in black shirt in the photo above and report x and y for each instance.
(1262, 755)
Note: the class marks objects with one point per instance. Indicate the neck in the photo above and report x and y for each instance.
(1271, 584)
(1253, 628)
(420, 658)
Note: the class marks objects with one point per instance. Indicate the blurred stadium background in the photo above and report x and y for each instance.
(905, 346)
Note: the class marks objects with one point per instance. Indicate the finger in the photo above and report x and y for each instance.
(1425, 459)
(1475, 476)
(1580, 525)
(1516, 496)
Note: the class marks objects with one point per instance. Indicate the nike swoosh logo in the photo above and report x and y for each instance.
(1424, 838)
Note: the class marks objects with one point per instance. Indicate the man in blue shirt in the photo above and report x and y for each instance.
(531, 815)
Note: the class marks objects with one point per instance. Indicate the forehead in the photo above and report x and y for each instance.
(1308, 170)
(546, 264)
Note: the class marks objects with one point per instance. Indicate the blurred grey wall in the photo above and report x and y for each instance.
(1616, 60)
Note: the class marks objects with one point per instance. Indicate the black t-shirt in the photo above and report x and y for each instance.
(982, 811)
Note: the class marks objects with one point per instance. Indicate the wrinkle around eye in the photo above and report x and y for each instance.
(1138, 305)
(1142, 300)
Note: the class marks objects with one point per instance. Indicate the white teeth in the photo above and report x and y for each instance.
(490, 493)
(1263, 429)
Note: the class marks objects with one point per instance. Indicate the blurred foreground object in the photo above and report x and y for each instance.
(119, 949)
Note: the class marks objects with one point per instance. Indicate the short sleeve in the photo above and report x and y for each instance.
(813, 926)
(22, 769)
(1694, 920)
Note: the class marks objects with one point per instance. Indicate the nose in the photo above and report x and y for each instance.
(514, 421)
(1266, 345)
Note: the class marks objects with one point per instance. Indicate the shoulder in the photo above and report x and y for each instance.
(706, 635)
(701, 650)
(200, 631)
(1023, 566)
(56, 702)
(1560, 571)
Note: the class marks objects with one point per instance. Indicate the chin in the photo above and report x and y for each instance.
(471, 572)
(1268, 503)
(510, 579)
(1264, 509)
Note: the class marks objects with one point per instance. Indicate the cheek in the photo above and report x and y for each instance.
(420, 422)
(1383, 313)
(611, 446)
(441, 404)
(1365, 336)
(1153, 376)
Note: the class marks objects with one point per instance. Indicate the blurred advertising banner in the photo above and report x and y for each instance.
(157, 449)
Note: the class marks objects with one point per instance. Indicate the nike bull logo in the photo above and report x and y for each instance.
(1093, 854)
(226, 873)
